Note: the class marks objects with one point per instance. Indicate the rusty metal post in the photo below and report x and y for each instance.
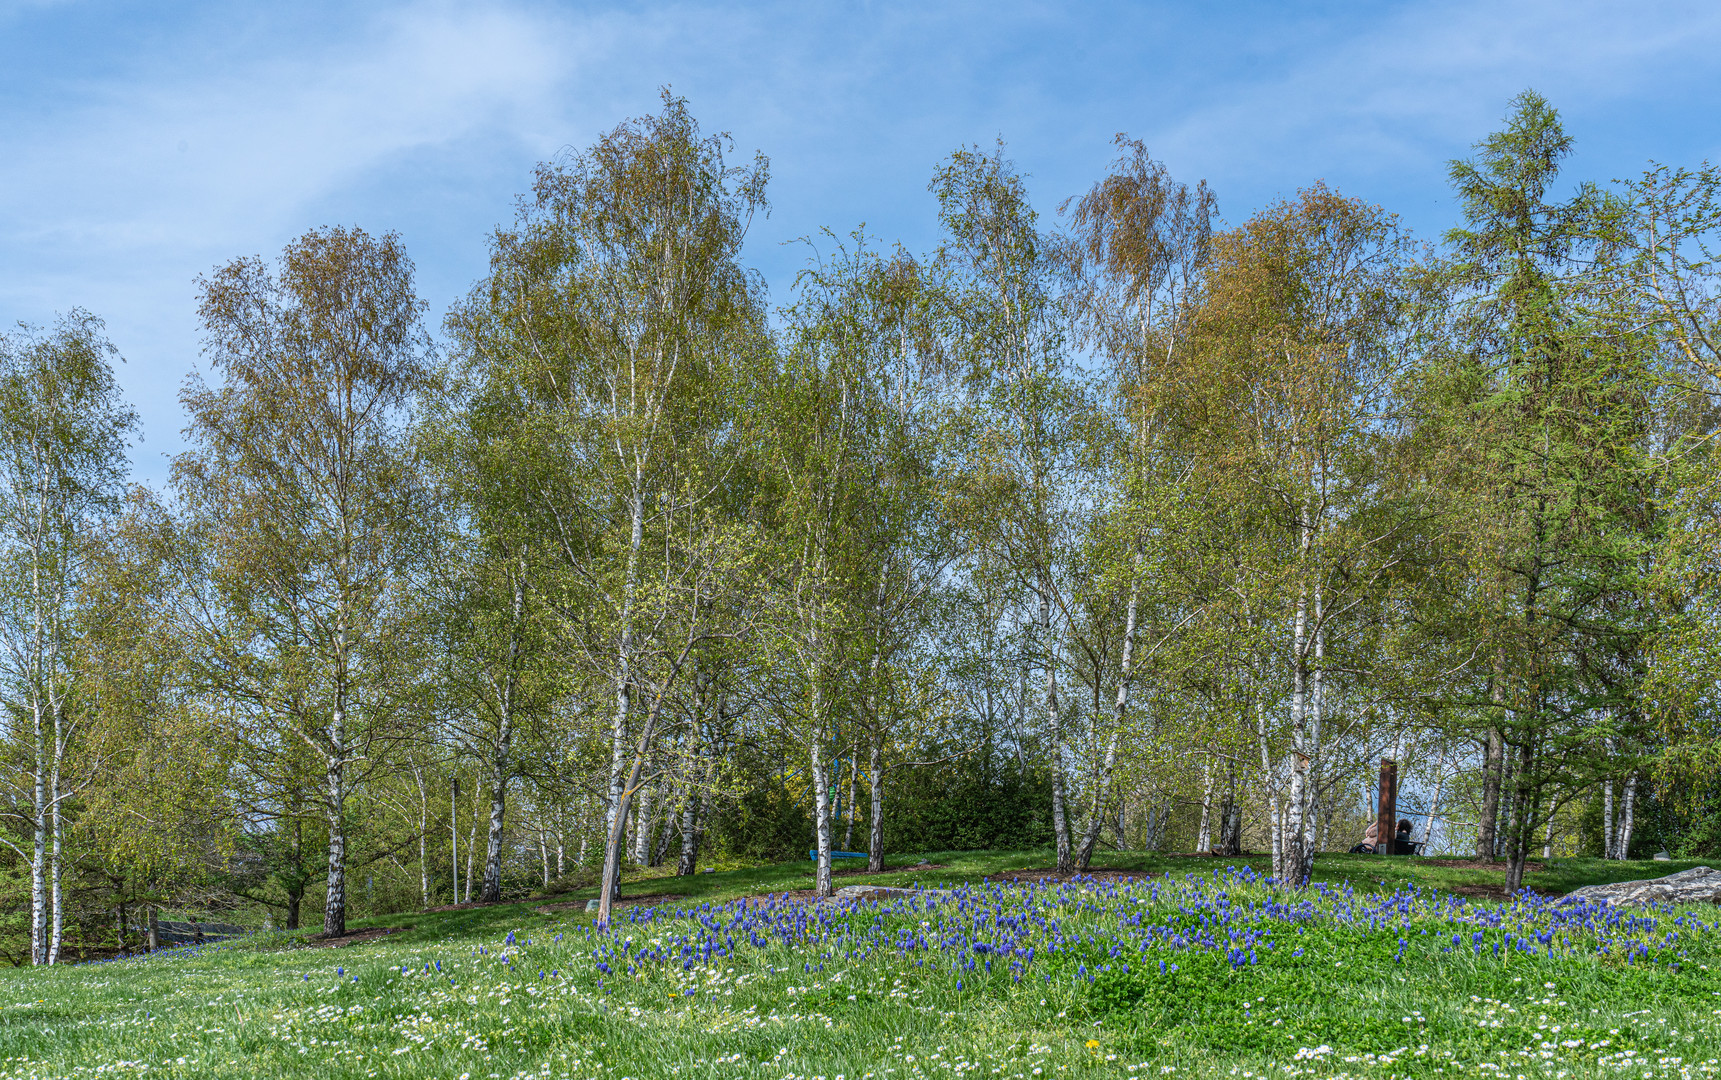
(1386, 824)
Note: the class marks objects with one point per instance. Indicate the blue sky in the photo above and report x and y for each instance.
(143, 143)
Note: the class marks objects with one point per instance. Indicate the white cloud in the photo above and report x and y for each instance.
(216, 156)
(1413, 89)
(137, 171)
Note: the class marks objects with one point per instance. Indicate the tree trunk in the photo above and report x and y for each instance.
(689, 861)
(609, 885)
(1055, 728)
(665, 829)
(1508, 808)
(1231, 839)
(1120, 715)
(55, 866)
(821, 819)
(1434, 805)
(1293, 855)
(154, 928)
(544, 851)
(1627, 811)
(1230, 816)
(295, 886)
(423, 839)
(623, 681)
(642, 819)
(492, 890)
(39, 851)
(1204, 834)
(854, 810)
(335, 901)
(1275, 803)
(1493, 763)
(875, 782)
(472, 836)
(1522, 820)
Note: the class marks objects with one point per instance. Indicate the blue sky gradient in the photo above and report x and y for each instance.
(142, 144)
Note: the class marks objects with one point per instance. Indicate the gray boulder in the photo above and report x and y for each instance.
(1698, 885)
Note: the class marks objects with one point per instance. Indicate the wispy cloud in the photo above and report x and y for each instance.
(217, 156)
(1413, 89)
(206, 132)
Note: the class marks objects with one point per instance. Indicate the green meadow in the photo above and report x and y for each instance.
(1189, 967)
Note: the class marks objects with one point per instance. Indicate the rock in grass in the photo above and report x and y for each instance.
(1698, 885)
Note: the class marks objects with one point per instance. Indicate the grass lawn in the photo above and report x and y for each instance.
(1201, 969)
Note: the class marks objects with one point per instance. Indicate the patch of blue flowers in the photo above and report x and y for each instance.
(1085, 927)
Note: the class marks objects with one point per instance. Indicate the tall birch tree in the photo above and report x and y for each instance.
(614, 313)
(63, 428)
(1017, 436)
(306, 508)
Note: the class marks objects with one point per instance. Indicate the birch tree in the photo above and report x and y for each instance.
(849, 474)
(63, 428)
(614, 312)
(306, 509)
(1140, 242)
(1016, 437)
(1293, 386)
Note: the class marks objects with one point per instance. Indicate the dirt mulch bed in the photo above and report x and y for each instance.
(357, 937)
(918, 869)
(1478, 864)
(625, 901)
(1049, 873)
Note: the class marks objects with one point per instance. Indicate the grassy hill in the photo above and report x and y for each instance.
(1198, 969)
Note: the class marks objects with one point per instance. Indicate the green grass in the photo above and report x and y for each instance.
(1337, 998)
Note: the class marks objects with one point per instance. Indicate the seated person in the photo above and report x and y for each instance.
(1370, 840)
(1401, 844)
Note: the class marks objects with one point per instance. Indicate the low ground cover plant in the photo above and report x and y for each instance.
(1221, 974)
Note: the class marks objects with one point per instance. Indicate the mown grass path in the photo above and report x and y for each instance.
(1215, 973)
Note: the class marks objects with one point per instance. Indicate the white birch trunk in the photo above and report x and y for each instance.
(1434, 805)
(853, 810)
(55, 866)
(544, 850)
(454, 834)
(689, 861)
(875, 784)
(472, 835)
(1204, 834)
(1627, 811)
(642, 823)
(1607, 826)
(1120, 716)
(623, 688)
(821, 820)
(1055, 729)
(335, 794)
(491, 892)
